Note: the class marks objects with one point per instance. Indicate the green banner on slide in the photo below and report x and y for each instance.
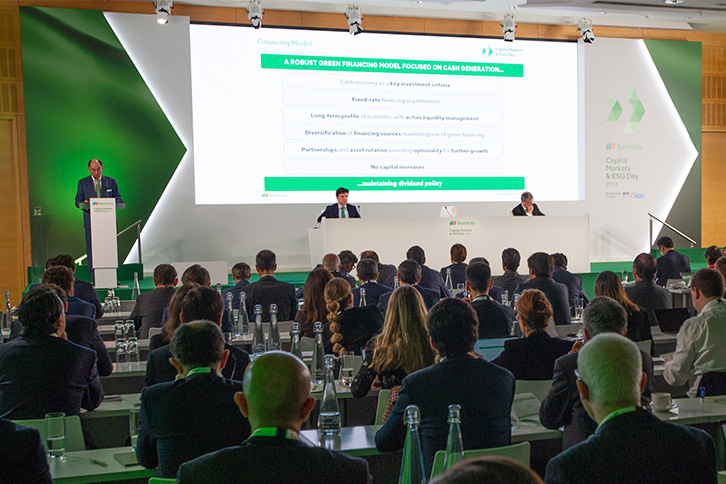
(402, 66)
(326, 184)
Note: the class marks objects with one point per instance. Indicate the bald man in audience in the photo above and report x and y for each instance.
(276, 400)
(630, 443)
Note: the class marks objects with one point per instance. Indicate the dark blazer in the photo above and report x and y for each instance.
(235, 291)
(187, 418)
(357, 326)
(374, 291)
(84, 332)
(648, 294)
(555, 292)
(573, 283)
(81, 308)
(332, 211)
(639, 326)
(47, 374)
(159, 370)
(23, 454)
(508, 281)
(562, 407)
(637, 447)
(149, 309)
(670, 266)
(495, 320)
(519, 211)
(458, 273)
(346, 276)
(269, 290)
(261, 460)
(484, 391)
(429, 296)
(386, 273)
(85, 290)
(87, 190)
(431, 279)
(533, 357)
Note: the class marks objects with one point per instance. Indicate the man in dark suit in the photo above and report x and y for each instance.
(386, 272)
(94, 186)
(149, 307)
(572, 281)
(671, 264)
(199, 304)
(645, 292)
(241, 273)
(495, 320)
(196, 413)
(24, 459)
(562, 407)
(541, 266)
(276, 400)
(509, 280)
(484, 391)
(63, 277)
(430, 278)
(41, 371)
(630, 443)
(409, 272)
(81, 289)
(457, 266)
(527, 207)
(368, 276)
(331, 262)
(269, 290)
(341, 209)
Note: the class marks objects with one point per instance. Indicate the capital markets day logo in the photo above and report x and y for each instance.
(487, 51)
(460, 222)
(616, 110)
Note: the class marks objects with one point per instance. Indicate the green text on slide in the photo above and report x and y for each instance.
(317, 184)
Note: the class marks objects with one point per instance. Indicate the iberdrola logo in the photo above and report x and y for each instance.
(610, 146)
(453, 222)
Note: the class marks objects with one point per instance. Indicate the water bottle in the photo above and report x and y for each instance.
(273, 339)
(295, 348)
(454, 445)
(258, 336)
(329, 417)
(132, 342)
(230, 314)
(243, 321)
(449, 283)
(317, 369)
(119, 336)
(136, 289)
(395, 282)
(219, 289)
(300, 304)
(7, 315)
(362, 303)
(505, 298)
(412, 468)
(516, 330)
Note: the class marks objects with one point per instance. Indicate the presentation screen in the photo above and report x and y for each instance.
(288, 116)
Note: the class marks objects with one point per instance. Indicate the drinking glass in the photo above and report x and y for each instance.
(55, 437)
(134, 425)
(346, 376)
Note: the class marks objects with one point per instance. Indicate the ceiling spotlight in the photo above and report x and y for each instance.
(163, 10)
(508, 27)
(355, 18)
(254, 13)
(584, 25)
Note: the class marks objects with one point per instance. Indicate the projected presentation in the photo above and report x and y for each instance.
(288, 116)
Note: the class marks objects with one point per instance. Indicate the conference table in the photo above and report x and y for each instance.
(88, 466)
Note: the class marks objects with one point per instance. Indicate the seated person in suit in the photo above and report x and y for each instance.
(314, 308)
(199, 304)
(276, 400)
(241, 273)
(386, 272)
(430, 279)
(332, 263)
(495, 320)
(490, 469)
(195, 414)
(533, 357)
(562, 407)
(671, 264)
(608, 284)
(409, 272)
(149, 307)
(527, 207)
(485, 391)
(348, 260)
(509, 280)
(572, 281)
(401, 348)
(173, 321)
(350, 327)
(41, 371)
(645, 292)
(457, 266)
(195, 275)
(76, 306)
(24, 459)
(368, 276)
(541, 266)
(81, 289)
(630, 443)
(340, 209)
(268, 290)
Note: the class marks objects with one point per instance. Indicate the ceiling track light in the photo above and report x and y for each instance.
(584, 25)
(508, 27)
(255, 12)
(164, 8)
(355, 19)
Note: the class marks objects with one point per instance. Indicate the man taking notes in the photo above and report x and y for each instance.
(340, 209)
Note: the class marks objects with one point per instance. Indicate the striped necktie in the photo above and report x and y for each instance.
(98, 188)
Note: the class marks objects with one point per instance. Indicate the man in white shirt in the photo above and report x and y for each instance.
(341, 209)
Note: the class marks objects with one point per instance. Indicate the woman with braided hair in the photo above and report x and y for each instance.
(351, 327)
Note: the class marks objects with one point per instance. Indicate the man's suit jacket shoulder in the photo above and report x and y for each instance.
(649, 295)
(23, 454)
(518, 211)
(84, 290)
(158, 368)
(495, 320)
(431, 279)
(84, 332)
(269, 290)
(556, 294)
(331, 211)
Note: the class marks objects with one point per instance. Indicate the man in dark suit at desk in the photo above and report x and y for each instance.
(527, 208)
(342, 209)
(495, 320)
(645, 292)
(484, 391)
(368, 275)
(63, 277)
(276, 399)
(457, 266)
(241, 273)
(196, 413)
(24, 460)
(509, 280)
(430, 278)
(149, 307)
(409, 272)
(541, 266)
(630, 443)
(671, 264)
(94, 186)
(572, 281)
(269, 290)
(386, 272)
(81, 289)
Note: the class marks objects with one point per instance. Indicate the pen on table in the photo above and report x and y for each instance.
(99, 463)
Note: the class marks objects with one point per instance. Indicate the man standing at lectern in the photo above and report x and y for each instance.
(340, 209)
(95, 186)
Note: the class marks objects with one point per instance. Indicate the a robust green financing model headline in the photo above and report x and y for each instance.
(353, 64)
(296, 184)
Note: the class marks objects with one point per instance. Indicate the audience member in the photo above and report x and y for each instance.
(195, 414)
(173, 321)
(572, 281)
(368, 276)
(276, 400)
(488, 470)
(386, 272)
(350, 327)
(269, 290)
(533, 357)
(430, 278)
(541, 266)
(81, 289)
(485, 391)
(645, 292)
(701, 339)
(630, 443)
(314, 308)
(562, 407)
(149, 307)
(196, 274)
(348, 260)
(409, 272)
(241, 274)
(527, 207)
(401, 348)
(608, 284)
(721, 267)
(495, 320)
(457, 266)
(62, 277)
(331, 262)
(24, 459)
(712, 254)
(511, 278)
(671, 264)
(495, 292)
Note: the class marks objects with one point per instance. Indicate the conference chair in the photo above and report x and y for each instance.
(307, 343)
(539, 388)
(714, 382)
(74, 432)
(383, 396)
(645, 346)
(352, 361)
(154, 331)
(517, 452)
(722, 477)
(563, 330)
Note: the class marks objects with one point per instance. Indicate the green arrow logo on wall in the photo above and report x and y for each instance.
(615, 110)
(638, 112)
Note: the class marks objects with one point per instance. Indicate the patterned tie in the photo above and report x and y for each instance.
(342, 212)
(98, 188)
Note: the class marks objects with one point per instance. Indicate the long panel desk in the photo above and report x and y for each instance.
(77, 467)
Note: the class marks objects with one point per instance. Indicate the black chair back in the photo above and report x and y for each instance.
(714, 382)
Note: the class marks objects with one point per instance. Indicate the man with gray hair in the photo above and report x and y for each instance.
(630, 443)
(527, 208)
(409, 272)
(562, 406)
(332, 263)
